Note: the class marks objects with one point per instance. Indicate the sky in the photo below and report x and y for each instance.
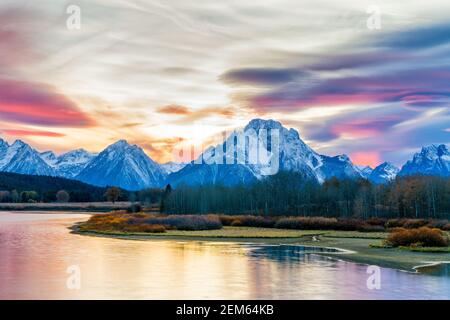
(369, 79)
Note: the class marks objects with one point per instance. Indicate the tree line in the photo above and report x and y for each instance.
(289, 193)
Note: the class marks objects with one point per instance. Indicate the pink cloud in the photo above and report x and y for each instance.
(31, 133)
(39, 104)
(364, 128)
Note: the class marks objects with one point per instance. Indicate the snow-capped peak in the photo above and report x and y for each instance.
(49, 157)
(119, 145)
(365, 171)
(21, 158)
(19, 144)
(433, 151)
(3, 143)
(431, 160)
(75, 156)
(384, 173)
(258, 124)
(123, 165)
(71, 163)
(292, 152)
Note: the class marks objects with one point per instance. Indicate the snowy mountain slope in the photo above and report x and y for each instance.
(67, 165)
(49, 157)
(431, 160)
(383, 173)
(70, 164)
(123, 165)
(340, 167)
(214, 174)
(365, 171)
(21, 158)
(293, 155)
(171, 167)
(4, 146)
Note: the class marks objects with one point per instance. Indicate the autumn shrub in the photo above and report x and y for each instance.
(406, 223)
(395, 223)
(370, 228)
(376, 222)
(248, 221)
(141, 215)
(141, 222)
(182, 222)
(414, 223)
(236, 223)
(348, 224)
(227, 220)
(105, 222)
(290, 223)
(419, 237)
(147, 228)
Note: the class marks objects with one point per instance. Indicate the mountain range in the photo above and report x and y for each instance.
(128, 166)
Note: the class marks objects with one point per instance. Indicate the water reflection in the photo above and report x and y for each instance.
(36, 250)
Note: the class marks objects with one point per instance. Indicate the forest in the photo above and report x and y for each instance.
(28, 188)
(289, 193)
(283, 194)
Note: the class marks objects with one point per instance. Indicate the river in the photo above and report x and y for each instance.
(41, 259)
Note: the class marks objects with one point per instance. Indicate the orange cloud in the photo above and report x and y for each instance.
(192, 115)
(174, 109)
(160, 150)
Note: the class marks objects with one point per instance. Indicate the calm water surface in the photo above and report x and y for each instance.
(37, 249)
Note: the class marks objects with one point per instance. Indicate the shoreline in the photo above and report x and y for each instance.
(354, 250)
(75, 207)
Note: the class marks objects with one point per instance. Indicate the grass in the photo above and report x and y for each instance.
(356, 234)
(428, 249)
(226, 232)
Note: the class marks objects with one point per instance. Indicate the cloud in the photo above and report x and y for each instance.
(131, 125)
(15, 46)
(261, 76)
(189, 115)
(419, 38)
(174, 109)
(31, 133)
(431, 85)
(364, 127)
(39, 104)
(159, 149)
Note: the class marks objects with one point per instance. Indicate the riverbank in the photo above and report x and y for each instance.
(357, 245)
(70, 206)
